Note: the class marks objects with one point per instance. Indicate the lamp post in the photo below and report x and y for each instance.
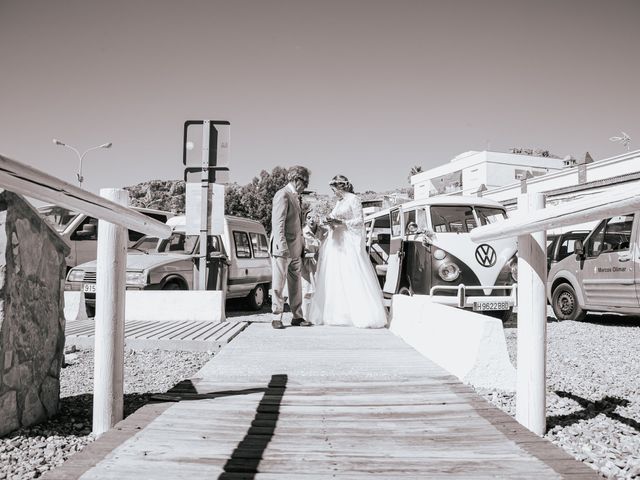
(81, 157)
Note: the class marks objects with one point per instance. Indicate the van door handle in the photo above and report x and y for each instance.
(624, 258)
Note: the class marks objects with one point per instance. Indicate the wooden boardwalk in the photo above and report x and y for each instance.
(320, 403)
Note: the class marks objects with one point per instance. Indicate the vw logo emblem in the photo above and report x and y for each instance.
(486, 255)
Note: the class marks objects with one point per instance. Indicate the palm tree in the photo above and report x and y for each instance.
(414, 171)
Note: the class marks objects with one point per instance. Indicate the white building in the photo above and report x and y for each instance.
(472, 171)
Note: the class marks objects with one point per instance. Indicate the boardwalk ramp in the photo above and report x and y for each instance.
(320, 403)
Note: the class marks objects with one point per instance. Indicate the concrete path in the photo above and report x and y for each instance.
(316, 403)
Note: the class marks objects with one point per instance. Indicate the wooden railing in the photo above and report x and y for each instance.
(529, 224)
(114, 219)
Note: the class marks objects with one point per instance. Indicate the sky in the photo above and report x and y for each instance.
(363, 88)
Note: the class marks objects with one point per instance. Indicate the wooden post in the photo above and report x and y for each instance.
(532, 322)
(108, 383)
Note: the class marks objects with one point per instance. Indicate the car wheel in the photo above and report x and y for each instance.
(256, 297)
(172, 286)
(565, 303)
(405, 291)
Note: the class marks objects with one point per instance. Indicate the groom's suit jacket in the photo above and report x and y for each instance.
(286, 224)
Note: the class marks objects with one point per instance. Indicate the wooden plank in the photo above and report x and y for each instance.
(328, 403)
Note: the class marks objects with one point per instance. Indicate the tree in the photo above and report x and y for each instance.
(254, 199)
(416, 169)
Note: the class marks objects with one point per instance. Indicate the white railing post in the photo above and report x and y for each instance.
(532, 322)
(108, 380)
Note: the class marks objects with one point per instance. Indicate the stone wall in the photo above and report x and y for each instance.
(32, 268)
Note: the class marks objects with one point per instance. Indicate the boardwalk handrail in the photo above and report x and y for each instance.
(26, 180)
(115, 218)
(597, 207)
(530, 225)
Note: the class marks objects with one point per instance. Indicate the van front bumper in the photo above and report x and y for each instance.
(478, 303)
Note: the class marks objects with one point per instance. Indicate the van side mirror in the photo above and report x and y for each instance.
(578, 248)
(412, 228)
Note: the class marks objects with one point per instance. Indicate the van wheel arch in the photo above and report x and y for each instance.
(174, 283)
(258, 296)
(565, 304)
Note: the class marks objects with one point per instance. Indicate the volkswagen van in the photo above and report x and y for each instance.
(80, 231)
(424, 247)
(171, 265)
(602, 273)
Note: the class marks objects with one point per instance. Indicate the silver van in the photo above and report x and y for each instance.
(602, 273)
(80, 231)
(170, 264)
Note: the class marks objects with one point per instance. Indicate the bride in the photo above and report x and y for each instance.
(347, 290)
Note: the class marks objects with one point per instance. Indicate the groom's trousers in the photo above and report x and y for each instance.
(286, 270)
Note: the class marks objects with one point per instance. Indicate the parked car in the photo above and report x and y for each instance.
(80, 231)
(561, 245)
(424, 247)
(601, 275)
(241, 251)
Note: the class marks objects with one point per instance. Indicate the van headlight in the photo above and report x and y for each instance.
(75, 276)
(449, 272)
(136, 278)
(513, 267)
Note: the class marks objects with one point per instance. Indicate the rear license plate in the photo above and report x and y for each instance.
(91, 288)
(482, 306)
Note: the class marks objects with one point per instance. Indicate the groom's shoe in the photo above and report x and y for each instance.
(277, 324)
(300, 322)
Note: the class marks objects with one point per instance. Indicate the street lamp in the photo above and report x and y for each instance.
(81, 157)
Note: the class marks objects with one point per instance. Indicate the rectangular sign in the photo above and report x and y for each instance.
(194, 208)
(219, 143)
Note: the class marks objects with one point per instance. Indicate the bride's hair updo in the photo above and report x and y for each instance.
(341, 183)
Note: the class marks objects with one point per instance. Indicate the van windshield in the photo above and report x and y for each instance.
(461, 218)
(58, 217)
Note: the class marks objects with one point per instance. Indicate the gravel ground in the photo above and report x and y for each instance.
(593, 399)
(593, 391)
(29, 452)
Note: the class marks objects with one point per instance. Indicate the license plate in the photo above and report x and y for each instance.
(89, 287)
(482, 306)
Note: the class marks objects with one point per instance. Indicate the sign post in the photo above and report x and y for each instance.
(213, 167)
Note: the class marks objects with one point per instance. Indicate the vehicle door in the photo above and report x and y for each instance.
(84, 238)
(394, 262)
(416, 251)
(606, 271)
(239, 282)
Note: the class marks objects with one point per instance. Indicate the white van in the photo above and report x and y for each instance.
(171, 264)
(80, 231)
(424, 247)
(601, 275)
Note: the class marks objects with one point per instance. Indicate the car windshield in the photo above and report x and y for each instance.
(58, 217)
(178, 243)
(146, 244)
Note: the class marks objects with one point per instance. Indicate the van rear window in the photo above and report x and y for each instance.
(259, 244)
(241, 241)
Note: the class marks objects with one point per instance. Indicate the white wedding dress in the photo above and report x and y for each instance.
(347, 289)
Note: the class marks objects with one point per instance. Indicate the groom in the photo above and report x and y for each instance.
(287, 247)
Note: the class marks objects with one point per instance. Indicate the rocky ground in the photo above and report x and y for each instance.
(593, 391)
